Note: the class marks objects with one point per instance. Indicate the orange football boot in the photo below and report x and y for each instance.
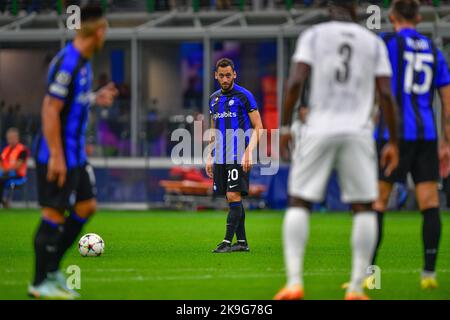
(290, 293)
(356, 296)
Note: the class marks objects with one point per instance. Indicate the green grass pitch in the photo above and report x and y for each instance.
(167, 255)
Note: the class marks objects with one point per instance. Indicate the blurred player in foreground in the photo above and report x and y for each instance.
(419, 69)
(65, 179)
(233, 111)
(345, 63)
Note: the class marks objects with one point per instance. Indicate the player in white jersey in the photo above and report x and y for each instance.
(345, 63)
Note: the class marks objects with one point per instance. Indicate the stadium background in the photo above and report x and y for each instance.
(161, 56)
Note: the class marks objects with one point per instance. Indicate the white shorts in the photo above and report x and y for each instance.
(354, 157)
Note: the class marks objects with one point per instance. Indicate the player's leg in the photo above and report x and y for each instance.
(379, 206)
(85, 206)
(363, 240)
(428, 200)
(53, 201)
(308, 177)
(425, 172)
(45, 242)
(45, 248)
(385, 184)
(234, 215)
(384, 189)
(83, 209)
(357, 169)
(234, 182)
(220, 189)
(72, 227)
(69, 234)
(241, 235)
(295, 237)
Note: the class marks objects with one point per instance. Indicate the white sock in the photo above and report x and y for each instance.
(295, 235)
(364, 237)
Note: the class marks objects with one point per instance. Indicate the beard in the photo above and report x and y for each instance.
(227, 87)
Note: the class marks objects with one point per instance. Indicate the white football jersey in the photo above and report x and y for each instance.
(345, 58)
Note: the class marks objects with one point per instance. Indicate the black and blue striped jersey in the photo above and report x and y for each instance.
(230, 112)
(70, 80)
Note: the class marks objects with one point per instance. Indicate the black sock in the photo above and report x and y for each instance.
(2, 184)
(431, 234)
(70, 231)
(240, 231)
(234, 216)
(380, 218)
(45, 249)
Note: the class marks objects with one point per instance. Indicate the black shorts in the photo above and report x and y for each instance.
(230, 178)
(420, 158)
(79, 186)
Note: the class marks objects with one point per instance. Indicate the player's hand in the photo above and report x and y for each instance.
(285, 142)
(57, 170)
(389, 158)
(444, 159)
(105, 96)
(247, 161)
(209, 168)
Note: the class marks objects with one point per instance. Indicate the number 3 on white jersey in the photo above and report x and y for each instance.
(417, 62)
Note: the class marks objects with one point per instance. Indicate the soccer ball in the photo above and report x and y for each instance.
(91, 245)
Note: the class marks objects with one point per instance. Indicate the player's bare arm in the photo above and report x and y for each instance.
(104, 97)
(51, 126)
(389, 156)
(298, 75)
(444, 144)
(255, 119)
(209, 160)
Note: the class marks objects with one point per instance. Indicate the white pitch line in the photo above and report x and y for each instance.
(161, 278)
(146, 269)
(321, 271)
(140, 278)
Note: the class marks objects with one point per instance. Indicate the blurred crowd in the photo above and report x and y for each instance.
(108, 132)
(29, 6)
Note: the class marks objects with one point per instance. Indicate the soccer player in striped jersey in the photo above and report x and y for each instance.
(234, 112)
(65, 179)
(419, 70)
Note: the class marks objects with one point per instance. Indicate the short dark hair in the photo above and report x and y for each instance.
(224, 62)
(91, 12)
(347, 4)
(342, 2)
(406, 9)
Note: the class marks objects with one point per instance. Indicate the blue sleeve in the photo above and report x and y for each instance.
(60, 79)
(250, 103)
(443, 74)
(211, 103)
